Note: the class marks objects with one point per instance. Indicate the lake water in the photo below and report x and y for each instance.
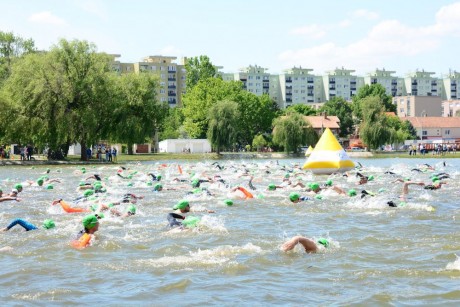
(378, 255)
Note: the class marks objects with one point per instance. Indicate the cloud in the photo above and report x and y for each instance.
(385, 42)
(47, 18)
(312, 31)
(344, 23)
(94, 7)
(366, 14)
(170, 50)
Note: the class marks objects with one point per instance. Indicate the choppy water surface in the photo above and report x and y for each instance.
(378, 256)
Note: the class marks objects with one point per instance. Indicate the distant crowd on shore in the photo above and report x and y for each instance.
(436, 149)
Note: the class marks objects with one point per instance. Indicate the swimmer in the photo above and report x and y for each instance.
(8, 197)
(90, 226)
(47, 224)
(67, 208)
(130, 197)
(130, 211)
(296, 198)
(181, 208)
(95, 176)
(309, 245)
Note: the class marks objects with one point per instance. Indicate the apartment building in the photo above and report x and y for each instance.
(451, 83)
(299, 86)
(421, 83)
(341, 83)
(394, 86)
(423, 106)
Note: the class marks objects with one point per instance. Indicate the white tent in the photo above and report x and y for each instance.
(185, 145)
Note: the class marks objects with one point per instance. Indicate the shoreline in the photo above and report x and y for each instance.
(123, 159)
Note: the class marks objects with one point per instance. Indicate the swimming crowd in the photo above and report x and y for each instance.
(225, 182)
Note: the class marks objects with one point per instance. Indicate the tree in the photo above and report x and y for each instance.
(301, 109)
(374, 129)
(257, 114)
(12, 47)
(292, 131)
(198, 68)
(342, 109)
(259, 142)
(172, 124)
(223, 123)
(62, 96)
(137, 112)
(372, 90)
(201, 98)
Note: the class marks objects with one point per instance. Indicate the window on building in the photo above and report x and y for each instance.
(447, 132)
(162, 76)
(424, 132)
(162, 91)
(153, 67)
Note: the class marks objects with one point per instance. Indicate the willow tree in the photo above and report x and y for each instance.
(374, 129)
(62, 96)
(136, 111)
(223, 124)
(292, 131)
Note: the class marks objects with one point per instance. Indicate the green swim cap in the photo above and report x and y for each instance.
(195, 183)
(158, 187)
(93, 207)
(149, 183)
(48, 224)
(228, 202)
(329, 182)
(131, 209)
(90, 221)
(44, 177)
(381, 190)
(18, 186)
(197, 190)
(40, 181)
(317, 196)
(314, 186)
(181, 204)
(370, 178)
(260, 196)
(271, 187)
(110, 205)
(49, 187)
(287, 175)
(294, 197)
(351, 192)
(159, 177)
(82, 183)
(100, 215)
(191, 221)
(130, 184)
(88, 193)
(323, 242)
(434, 178)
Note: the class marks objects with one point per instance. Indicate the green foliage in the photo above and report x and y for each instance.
(136, 111)
(257, 114)
(301, 109)
(201, 98)
(409, 128)
(172, 124)
(259, 142)
(292, 131)
(371, 90)
(11, 48)
(223, 124)
(198, 68)
(342, 109)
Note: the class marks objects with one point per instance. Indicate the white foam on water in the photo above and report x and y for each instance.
(454, 266)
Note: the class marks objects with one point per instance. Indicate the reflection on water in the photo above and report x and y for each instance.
(378, 254)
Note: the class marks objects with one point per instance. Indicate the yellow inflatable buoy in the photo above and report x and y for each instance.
(308, 151)
(328, 156)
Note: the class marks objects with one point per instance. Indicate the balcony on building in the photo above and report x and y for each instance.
(414, 93)
(310, 94)
(171, 70)
(171, 78)
(288, 99)
(266, 85)
(353, 88)
(171, 86)
(310, 87)
(288, 80)
(172, 100)
(171, 93)
(394, 82)
(414, 82)
(331, 81)
(332, 88)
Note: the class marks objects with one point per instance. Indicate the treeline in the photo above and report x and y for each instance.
(70, 94)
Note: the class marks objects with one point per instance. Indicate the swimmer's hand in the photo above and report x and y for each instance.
(211, 211)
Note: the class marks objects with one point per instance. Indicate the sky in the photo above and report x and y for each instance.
(362, 35)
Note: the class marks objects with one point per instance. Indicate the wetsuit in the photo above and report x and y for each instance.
(27, 226)
(431, 187)
(172, 219)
